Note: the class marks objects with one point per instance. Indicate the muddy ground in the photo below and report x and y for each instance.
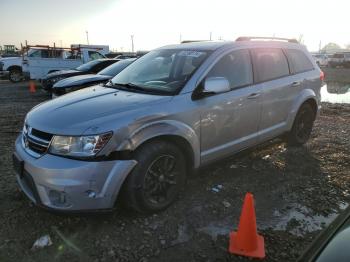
(298, 191)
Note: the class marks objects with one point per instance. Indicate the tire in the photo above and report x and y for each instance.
(149, 187)
(15, 75)
(302, 126)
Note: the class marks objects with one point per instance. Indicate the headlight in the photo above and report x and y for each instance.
(79, 146)
(56, 79)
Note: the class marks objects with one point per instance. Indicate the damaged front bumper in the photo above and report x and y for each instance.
(69, 185)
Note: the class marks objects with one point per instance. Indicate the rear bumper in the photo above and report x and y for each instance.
(64, 184)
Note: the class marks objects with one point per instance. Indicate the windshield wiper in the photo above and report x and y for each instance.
(130, 86)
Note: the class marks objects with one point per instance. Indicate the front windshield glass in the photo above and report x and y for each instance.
(87, 66)
(163, 71)
(116, 68)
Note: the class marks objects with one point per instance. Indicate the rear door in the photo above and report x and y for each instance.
(271, 71)
(300, 67)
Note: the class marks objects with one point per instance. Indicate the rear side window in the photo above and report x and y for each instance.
(269, 64)
(102, 65)
(298, 61)
(236, 67)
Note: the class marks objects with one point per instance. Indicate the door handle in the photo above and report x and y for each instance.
(296, 83)
(253, 96)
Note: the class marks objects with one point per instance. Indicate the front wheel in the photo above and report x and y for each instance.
(157, 179)
(302, 126)
(15, 75)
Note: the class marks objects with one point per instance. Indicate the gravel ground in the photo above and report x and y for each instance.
(297, 191)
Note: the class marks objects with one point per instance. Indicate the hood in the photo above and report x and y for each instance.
(80, 80)
(14, 58)
(65, 73)
(76, 112)
(9, 61)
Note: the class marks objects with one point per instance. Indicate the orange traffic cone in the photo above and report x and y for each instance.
(246, 241)
(32, 87)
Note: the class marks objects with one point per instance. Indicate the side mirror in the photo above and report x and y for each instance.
(216, 85)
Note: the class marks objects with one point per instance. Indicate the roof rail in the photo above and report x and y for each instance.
(249, 38)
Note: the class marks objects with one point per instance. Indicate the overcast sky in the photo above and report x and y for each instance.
(159, 22)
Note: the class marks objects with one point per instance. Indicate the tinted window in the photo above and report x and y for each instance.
(269, 64)
(298, 61)
(102, 65)
(236, 67)
(87, 66)
(116, 68)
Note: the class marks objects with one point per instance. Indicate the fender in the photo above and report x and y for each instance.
(298, 101)
(163, 128)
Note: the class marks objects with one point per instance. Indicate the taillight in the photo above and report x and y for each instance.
(322, 76)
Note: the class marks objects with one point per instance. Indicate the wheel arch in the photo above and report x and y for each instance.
(307, 96)
(14, 67)
(175, 132)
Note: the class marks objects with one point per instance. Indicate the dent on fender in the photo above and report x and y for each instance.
(163, 128)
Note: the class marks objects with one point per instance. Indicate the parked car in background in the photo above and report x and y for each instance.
(333, 242)
(74, 83)
(122, 55)
(91, 67)
(339, 59)
(173, 110)
(40, 61)
(321, 59)
(125, 55)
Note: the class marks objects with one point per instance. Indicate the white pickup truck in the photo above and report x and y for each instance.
(11, 67)
(37, 61)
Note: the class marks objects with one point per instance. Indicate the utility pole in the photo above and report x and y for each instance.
(180, 38)
(87, 36)
(319, 47)
(132, 43)
(210, 36)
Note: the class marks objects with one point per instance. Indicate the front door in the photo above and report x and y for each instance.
(229, 121)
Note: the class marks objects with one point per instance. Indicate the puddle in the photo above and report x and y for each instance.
(214, 230)
(336, 92)
(298, 220)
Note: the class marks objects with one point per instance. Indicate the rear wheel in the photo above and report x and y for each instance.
(15, 75)
(302, 126)
(157, 179)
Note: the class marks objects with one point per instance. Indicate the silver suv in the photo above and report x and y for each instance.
(170, 112)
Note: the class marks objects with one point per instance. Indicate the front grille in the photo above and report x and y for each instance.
(41, 134)
(36, 142)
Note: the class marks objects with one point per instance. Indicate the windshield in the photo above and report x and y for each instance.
(88, 65)
(162, 71)
(116, 68)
